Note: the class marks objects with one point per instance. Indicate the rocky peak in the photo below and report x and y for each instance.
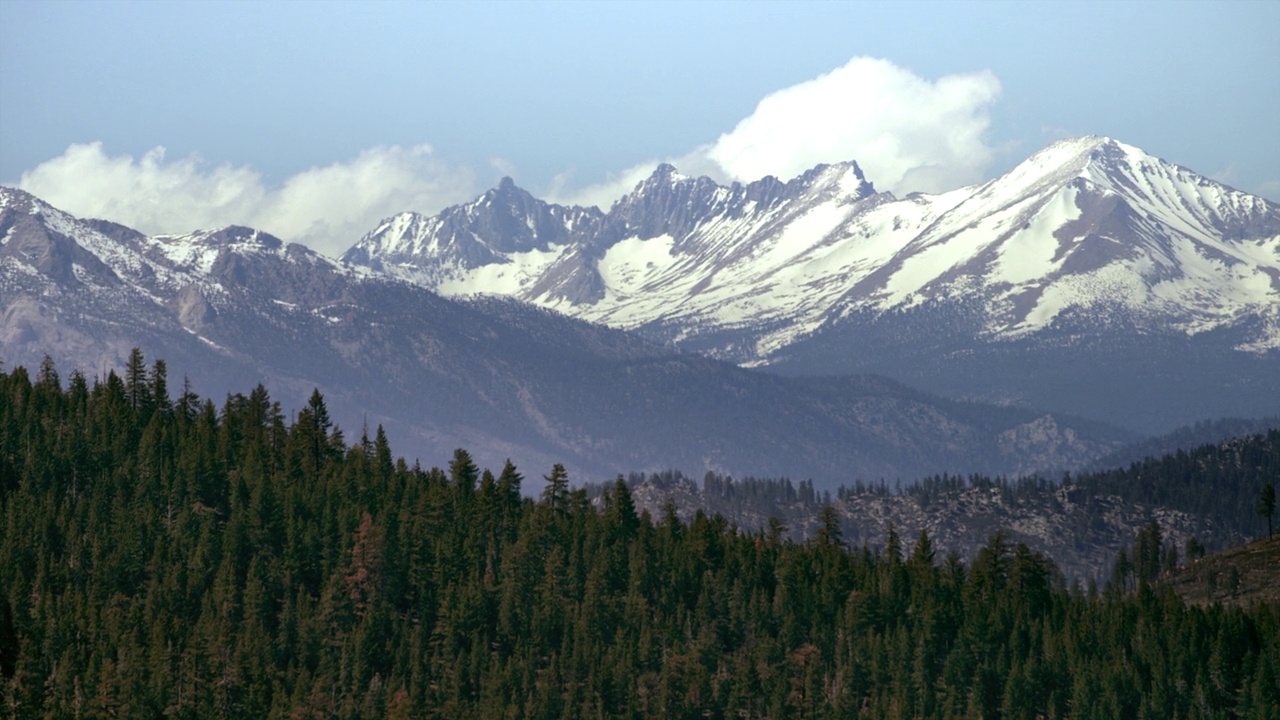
(16, 200)
(233, 235)
(666, 203)
(509, 219)
(506, 197)
(27, 237)
(845, 178)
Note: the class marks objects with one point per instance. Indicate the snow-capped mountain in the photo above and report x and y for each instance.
(1087, 241)
(1094, 224)
(503, 223)
(233, 307)
(677, 250)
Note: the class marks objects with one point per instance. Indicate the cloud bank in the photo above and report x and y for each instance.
(328, 208)
(907, 133)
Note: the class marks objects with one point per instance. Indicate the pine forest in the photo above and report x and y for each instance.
(162, 556)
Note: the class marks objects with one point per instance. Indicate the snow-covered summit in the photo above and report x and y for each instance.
(1096, 224)
(198, 251)
(15, 199)
(1086, 224)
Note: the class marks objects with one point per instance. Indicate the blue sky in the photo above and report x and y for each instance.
(314, 119)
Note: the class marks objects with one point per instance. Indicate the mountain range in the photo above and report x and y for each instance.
(234, 307)
(1034, 323)
(1093, 278)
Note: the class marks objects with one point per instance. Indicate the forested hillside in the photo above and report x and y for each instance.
(161, 556)
(1205, 496)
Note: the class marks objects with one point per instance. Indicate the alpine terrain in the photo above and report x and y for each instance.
(235, 306)
(1093, 278)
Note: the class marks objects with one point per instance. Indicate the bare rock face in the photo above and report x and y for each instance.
(26, 322)
(193, 310)
(48, 251)
(574, 279)
(1041, 439)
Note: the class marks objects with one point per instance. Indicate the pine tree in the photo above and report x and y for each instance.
(556, 491)
(137, 389)
(1267, 504)
(829, 534)
(463, 474)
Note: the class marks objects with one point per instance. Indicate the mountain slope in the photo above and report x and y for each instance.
(1094, 224)
(503, 378)
(1089, 244)
(1243, 576)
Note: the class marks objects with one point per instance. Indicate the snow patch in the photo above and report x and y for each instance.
(632, 263)
(507, 278)
(1029, 254)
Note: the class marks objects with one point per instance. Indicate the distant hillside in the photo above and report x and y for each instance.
(1082, 522)
(1185, 438)
(1240, 575)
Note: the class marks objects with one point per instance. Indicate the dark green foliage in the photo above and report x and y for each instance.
(1219, 481)
(166, 558)
(1267, 504)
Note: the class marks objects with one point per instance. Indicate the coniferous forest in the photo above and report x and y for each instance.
(165, 557)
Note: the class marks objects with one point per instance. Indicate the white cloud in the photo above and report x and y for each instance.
(892, 122)
(328, 208)
(907, 133)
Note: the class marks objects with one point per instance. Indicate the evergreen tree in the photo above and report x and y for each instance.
(137, 389)
(1267, 504)
(556, 491)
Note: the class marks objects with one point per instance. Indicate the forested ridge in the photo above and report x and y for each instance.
(165, 557)
(1204, 499)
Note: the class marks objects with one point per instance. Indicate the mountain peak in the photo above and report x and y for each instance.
(237, 234)
(847, 176)
(1070, 155)
(506, 191)
(1095, 158)
(1083, 142)
(19, 200)
(665, 173)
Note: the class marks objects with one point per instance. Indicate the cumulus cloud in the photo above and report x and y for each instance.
(328, 208)
(907, 133)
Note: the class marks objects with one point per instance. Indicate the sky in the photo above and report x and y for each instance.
(314, 120)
